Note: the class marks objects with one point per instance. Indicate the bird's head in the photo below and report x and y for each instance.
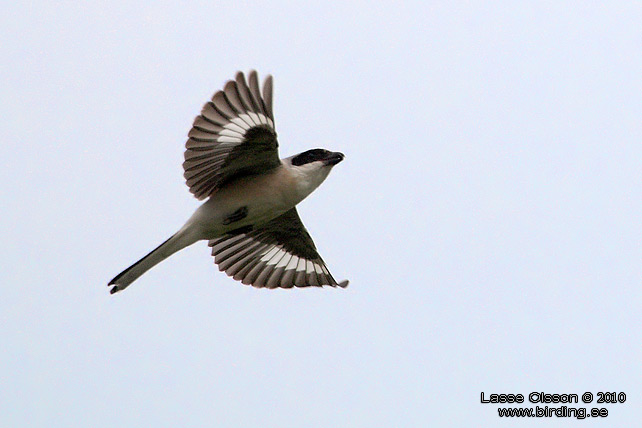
(313, 166)
(317, 158)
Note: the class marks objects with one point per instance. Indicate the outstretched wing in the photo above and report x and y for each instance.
(233, 136)
(278, 254)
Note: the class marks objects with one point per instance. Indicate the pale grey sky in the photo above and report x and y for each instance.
(488, 213)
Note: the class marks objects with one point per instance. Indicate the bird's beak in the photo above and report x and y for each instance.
(333, 158)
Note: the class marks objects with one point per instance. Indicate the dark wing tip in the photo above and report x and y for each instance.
(344, 283)
(268, 85)
(114, 290)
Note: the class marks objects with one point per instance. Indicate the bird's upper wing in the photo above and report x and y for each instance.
(233, 136)
(278, 254)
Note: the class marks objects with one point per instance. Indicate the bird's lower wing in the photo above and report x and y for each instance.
(280, 254)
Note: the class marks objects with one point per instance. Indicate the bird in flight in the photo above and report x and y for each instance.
(249, 217)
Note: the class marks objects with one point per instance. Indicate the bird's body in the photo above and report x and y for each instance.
(264, 196)
(249, 217)
(259, 197)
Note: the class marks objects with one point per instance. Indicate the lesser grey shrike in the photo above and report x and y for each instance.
(250, 216)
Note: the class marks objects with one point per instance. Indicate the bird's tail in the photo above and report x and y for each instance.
(176, 242)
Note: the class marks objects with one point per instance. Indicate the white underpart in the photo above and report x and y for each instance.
(308, 177)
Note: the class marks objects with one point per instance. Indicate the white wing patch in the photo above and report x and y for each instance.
(268, 265)
(269, 255)
(251, 119)
(292, 263)
(228, 139)
(233, 132)
(221, 127)
(309, 267)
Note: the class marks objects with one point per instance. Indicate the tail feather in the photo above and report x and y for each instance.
(175, 243)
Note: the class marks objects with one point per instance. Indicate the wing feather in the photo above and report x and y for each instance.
(256, 92)
(233, 136)
(267, 96)
(280, 254)
(244, 94)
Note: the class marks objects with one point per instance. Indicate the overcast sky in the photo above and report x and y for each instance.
(488, 213)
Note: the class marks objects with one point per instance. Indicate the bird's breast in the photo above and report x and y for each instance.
(258, 198)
